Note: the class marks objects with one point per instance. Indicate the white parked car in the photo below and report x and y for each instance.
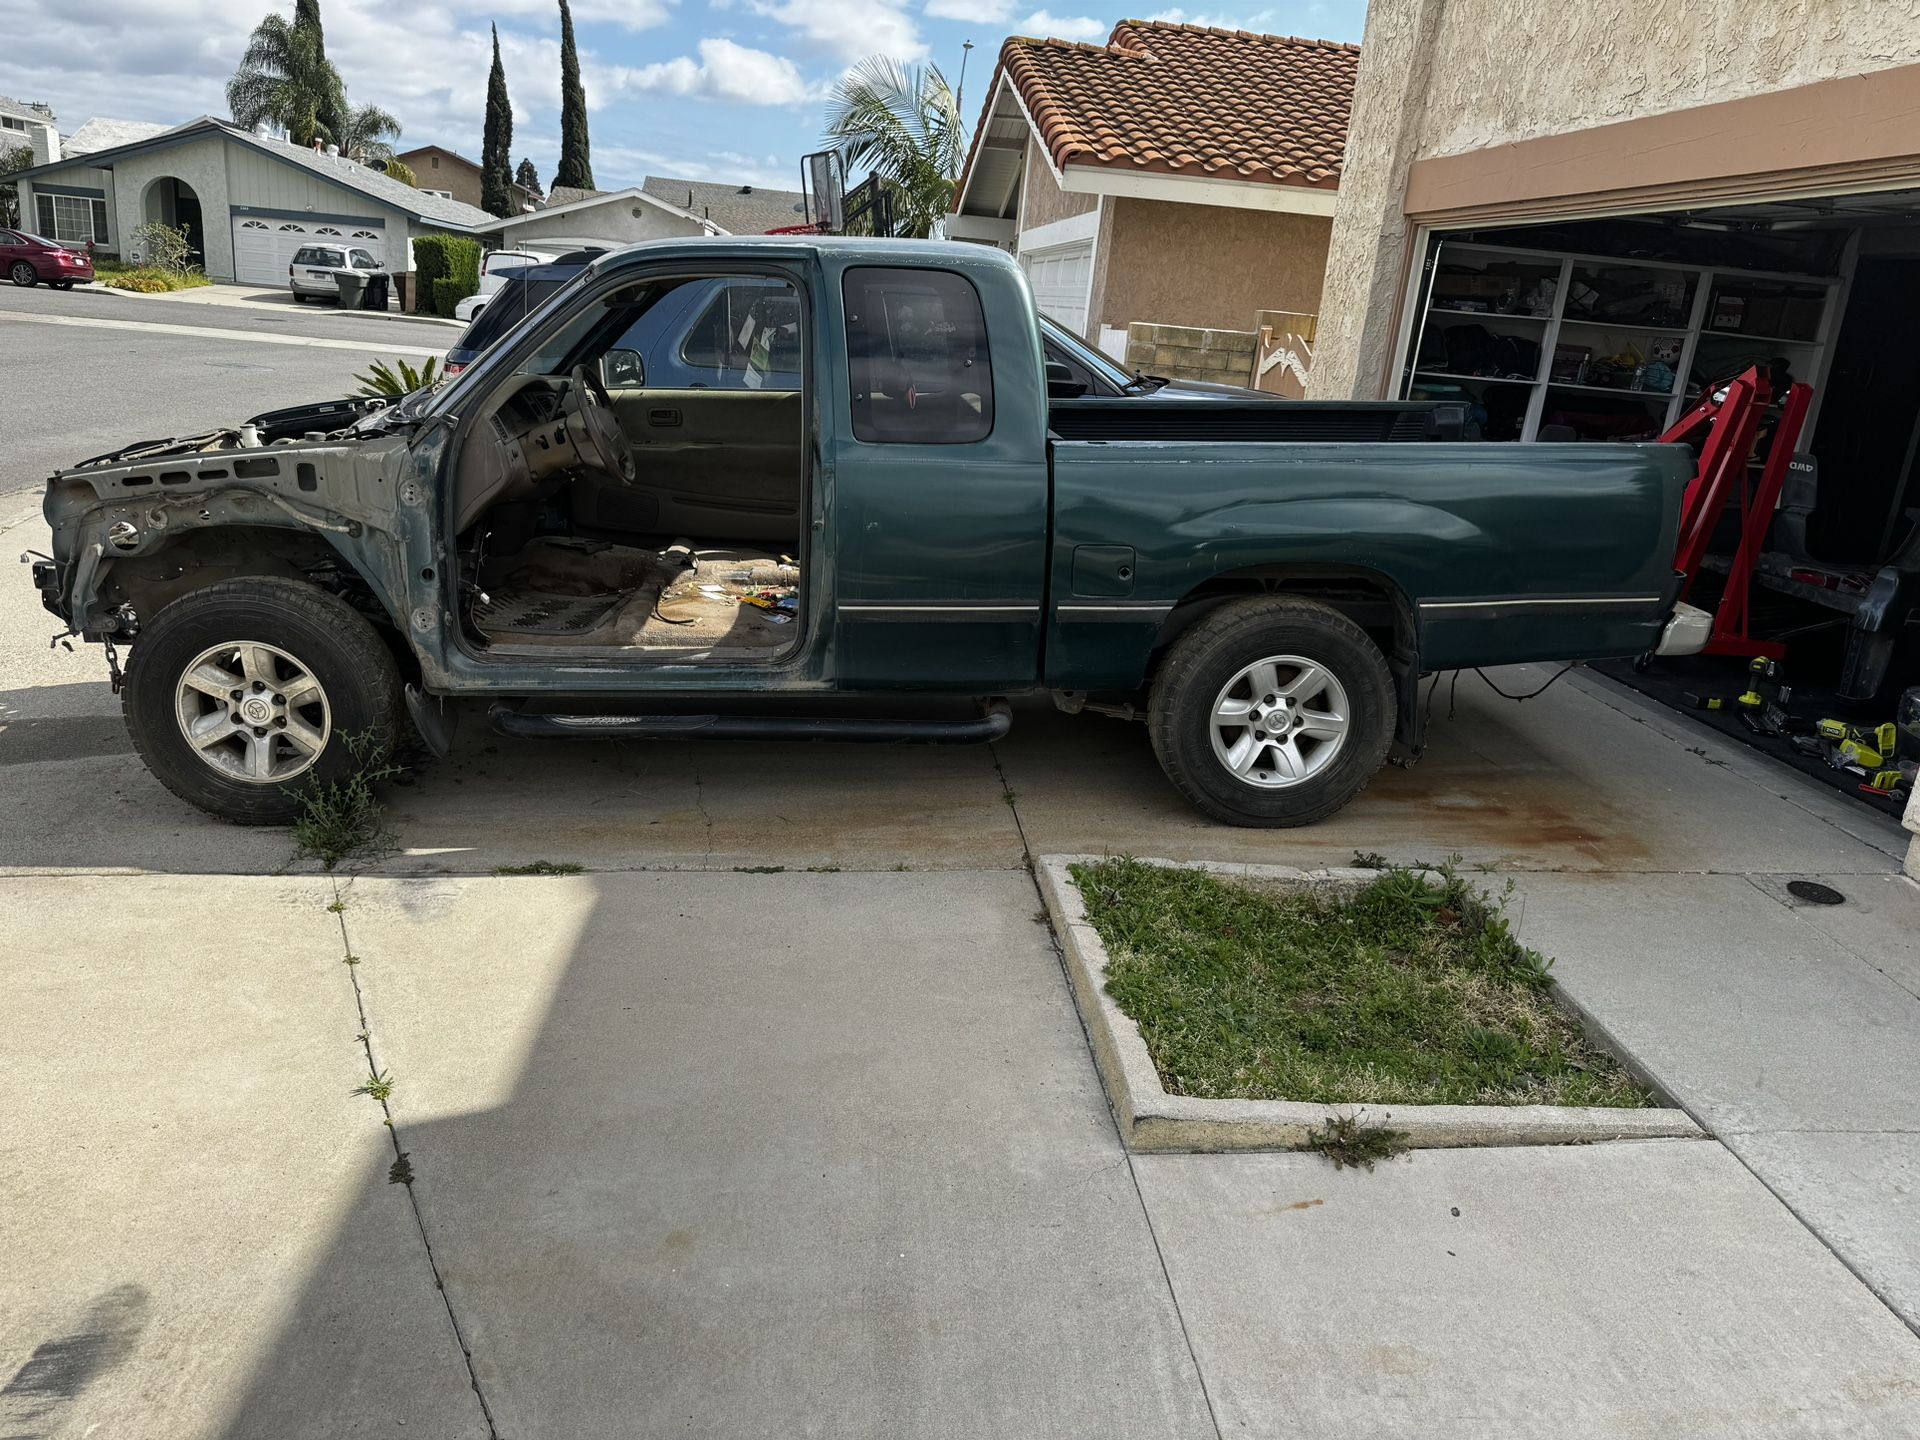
(310, 275)
(495, 266)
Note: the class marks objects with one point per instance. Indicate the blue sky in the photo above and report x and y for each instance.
(728, 90)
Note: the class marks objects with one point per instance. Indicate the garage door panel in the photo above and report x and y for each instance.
(1062, 278)
(263, 249)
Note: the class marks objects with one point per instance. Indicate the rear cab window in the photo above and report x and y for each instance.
(917, 360)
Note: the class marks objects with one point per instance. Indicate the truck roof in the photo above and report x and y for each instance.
(827, 247)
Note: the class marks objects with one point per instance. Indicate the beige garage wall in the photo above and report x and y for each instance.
(1041, 200)
(1452, 77)
(1207, 265)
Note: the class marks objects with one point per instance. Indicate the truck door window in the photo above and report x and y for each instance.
(747, 337)
(917, 357)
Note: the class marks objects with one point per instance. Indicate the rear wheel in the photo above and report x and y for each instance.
(23, 274)
(240, 694)
(1272, 712)
(299, 297)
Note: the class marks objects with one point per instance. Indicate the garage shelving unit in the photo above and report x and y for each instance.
(1715, 320)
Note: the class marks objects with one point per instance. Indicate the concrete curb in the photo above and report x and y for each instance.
(1151, 1119)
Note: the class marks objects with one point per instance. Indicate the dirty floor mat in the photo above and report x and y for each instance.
(535, 612)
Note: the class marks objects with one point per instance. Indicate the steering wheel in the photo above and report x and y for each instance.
(596, 434)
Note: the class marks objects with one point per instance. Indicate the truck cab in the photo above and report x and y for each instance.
(842, 478)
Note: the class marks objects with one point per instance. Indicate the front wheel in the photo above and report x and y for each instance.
(23, 275)
(1272, 712)
(240, 695)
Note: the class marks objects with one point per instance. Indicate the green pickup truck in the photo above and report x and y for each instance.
(797, 488)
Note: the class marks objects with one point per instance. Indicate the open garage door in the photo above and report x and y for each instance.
(262, 249)
(1062, 279)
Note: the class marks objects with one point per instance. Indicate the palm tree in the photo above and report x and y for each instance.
(364, 134)
(900, 121)
(285, 77)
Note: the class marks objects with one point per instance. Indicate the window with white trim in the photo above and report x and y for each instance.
(9, 122)
(326, 230)
(366, 234)
(71, 219)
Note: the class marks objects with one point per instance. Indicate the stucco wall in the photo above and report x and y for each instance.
(202, 165)
(1444, 77)
(1204, 265)
(463, 180)
(1042, 201)
(614, 222)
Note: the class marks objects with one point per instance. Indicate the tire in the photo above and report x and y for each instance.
(23, 275)
(290, 629)
(298, 298)
(63, 284)
(1303, 766)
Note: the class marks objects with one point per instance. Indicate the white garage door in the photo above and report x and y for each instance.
(1062, 278)
(262, 249)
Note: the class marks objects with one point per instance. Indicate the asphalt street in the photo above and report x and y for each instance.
(139, 369)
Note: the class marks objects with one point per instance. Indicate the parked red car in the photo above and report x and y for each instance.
(28, 259)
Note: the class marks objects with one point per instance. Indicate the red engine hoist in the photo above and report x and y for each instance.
(1730, 412)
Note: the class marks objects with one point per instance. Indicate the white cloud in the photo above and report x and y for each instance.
(984, 12)
(1076, 27)
(849, 29)
(724, 71)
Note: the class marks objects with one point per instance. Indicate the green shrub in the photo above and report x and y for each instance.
(447, 269)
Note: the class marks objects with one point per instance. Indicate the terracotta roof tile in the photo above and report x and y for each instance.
(1187, 100)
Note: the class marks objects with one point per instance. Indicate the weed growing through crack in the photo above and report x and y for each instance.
(343, 819)
(1369, 860)
(401, 1171)
(338, 907)
(540, 867)
(1346, 1142)
(379, 1085)
(759, 869)
(351, 960)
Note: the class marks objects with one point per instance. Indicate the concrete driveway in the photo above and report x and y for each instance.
(779, 1118)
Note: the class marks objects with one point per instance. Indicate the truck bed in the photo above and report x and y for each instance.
(1300, 421)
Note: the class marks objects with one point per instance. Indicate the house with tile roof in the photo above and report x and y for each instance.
(1176, 175)
(246, 199)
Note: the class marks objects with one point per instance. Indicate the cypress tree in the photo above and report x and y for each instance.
(576, 165)
(496, 143)
(528, 179)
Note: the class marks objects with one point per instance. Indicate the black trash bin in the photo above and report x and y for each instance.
(376, 292)
(353, 289)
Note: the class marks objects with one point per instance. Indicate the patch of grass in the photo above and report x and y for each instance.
(1409, 992)
(540, 867)
(379, 1085)
(344, 819)
(1346, 1142)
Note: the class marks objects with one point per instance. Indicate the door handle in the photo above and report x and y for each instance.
(663, 418)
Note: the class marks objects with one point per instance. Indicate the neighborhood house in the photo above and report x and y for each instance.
(247, 201)
(1175, 176)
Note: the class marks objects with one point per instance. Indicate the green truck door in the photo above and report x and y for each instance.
(939, 486)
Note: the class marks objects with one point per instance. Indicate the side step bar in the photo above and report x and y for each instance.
(995, 720)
